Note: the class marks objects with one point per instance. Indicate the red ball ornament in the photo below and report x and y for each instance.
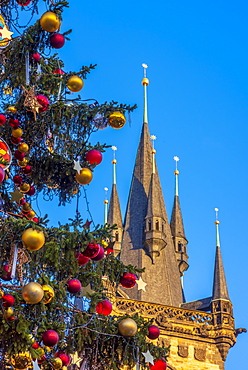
(6, 274)
(100, 255)
(15, 140)
(27, 170)
(35, 219)
(2, 174)
(82, 260)
(57, 40)
(23, 2)
(74, 286)
(58, 71)
(109, 250)
(50, 338)
(66, 359)
(94, 156)
(17, 179)
(128, 280)
(14, 123)
(31, 191)
(8, 300)
(153, 332)
(92, 250)
(158, 365)
(41, 360)
(35, 345)
(18, 155)
(2, 119)
(22, 201)
(44, 102)
(36, 57)
(104, 307)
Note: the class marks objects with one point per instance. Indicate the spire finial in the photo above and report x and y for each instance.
(145, 83)
(153, 138)
(106, 206)
(114, 161)
(176, 173)
(217, 222)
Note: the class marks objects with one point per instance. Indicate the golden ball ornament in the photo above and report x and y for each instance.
(48, 293)
(22, 163)
(75, 83)
(145, 81)
(26, 207)
(17, 132)
(32, 239)
(21, 361)
(176, 172)
(11, 109)
(1, 293)
(23, 148)
(127, 327)
(8, 312)
(24, 188)
(30, 215)
(32, 293)
(117, 120)
(50, 22)
(57, 363)
(84, 177)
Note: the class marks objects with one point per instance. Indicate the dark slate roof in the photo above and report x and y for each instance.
(176, 224)
(219, 286)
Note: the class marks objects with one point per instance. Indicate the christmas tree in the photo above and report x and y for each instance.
(58, 284)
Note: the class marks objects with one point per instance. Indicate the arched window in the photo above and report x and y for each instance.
(116, 236)
(180, 247)
(149, 225)
(157, 225)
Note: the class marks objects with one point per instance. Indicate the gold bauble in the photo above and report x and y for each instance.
(24, 188)
(22, 163)
(127, 327)
(23, 148)
(84, 177)
(26, 207)
(48, 293)
(1, 293)
(117, 120)
(12, 109)
(56, 363)
(8, 312)
(21, 361)
(30, 215)
(32, 293)
(32, 239)
(75, 83)
(17, 132)
(50, 22)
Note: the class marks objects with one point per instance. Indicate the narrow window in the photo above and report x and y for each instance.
(157, 225)
(149, 225)
(116, 236)
(180, 247)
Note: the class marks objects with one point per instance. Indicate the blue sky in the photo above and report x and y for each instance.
(198, 94)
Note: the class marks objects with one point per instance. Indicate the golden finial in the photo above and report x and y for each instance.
(216, 216)
(114, 161)
(145, 81)
(217, 227)
(176, 172)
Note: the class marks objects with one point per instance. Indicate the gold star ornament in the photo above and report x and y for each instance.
(16, 196)
(5, 33)
(31, 101)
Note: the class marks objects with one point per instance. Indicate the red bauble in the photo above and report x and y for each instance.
(44, 102)
(109, 250)
(17, 179)
(15, 140)
(31, 191)
(66, 359)
(104, 307)
(128, 280)
(35, 219)
(74, 286)
(23, 2)
(18, 155)
(27, 170)
(41, 360)
(158, 365)
(22, 201)
(36, 57)
(57, 40)
(82, 260)
(35, 345)
(8, 300)
(94, 156)
(2, 119)
(92, 250)
(7, 274)
(153, 332)
(2, 174)
(50, 338)
(14, 123)
(58, 71)
(100, 255)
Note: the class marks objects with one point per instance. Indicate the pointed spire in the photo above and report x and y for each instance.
(219, 286)
(145, 83)
(105, 206)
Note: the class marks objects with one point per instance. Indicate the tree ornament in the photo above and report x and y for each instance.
(31, 101)
(32, 293)
(16, 196)
(2, 119)
(27, 170)
(36, 57)
(31, 191)
(74, 286)
(100, 255)
(8, 300)
(75, 83)
(94, 156)
(153, 332)
(14, 122)
(4, 42)
(58, 71)
(66, 359)
(2, 175)
(50, 338)
(50, 22)
(116, 120)
(22, 163)
(148, 357)
(26, 207)
(17, 132)
(48, 293)
(23, 2)
(35, 345)
(25, 187)
(84, 177)
(23, 148)
(30, 215)
(158, 365)
(11, 108)
(18, 155)
(82, 260)
(128, 280)
(127, 327)
(17, 179)
(21, 361)
(141, 284)
(104, 307)
(100, 121)
(8, 312)
(33, 239)
(91, 250)
(57, 363)
(15, 140)
(6, 273)
(43, 101)
(57, 40)
(5, 154)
